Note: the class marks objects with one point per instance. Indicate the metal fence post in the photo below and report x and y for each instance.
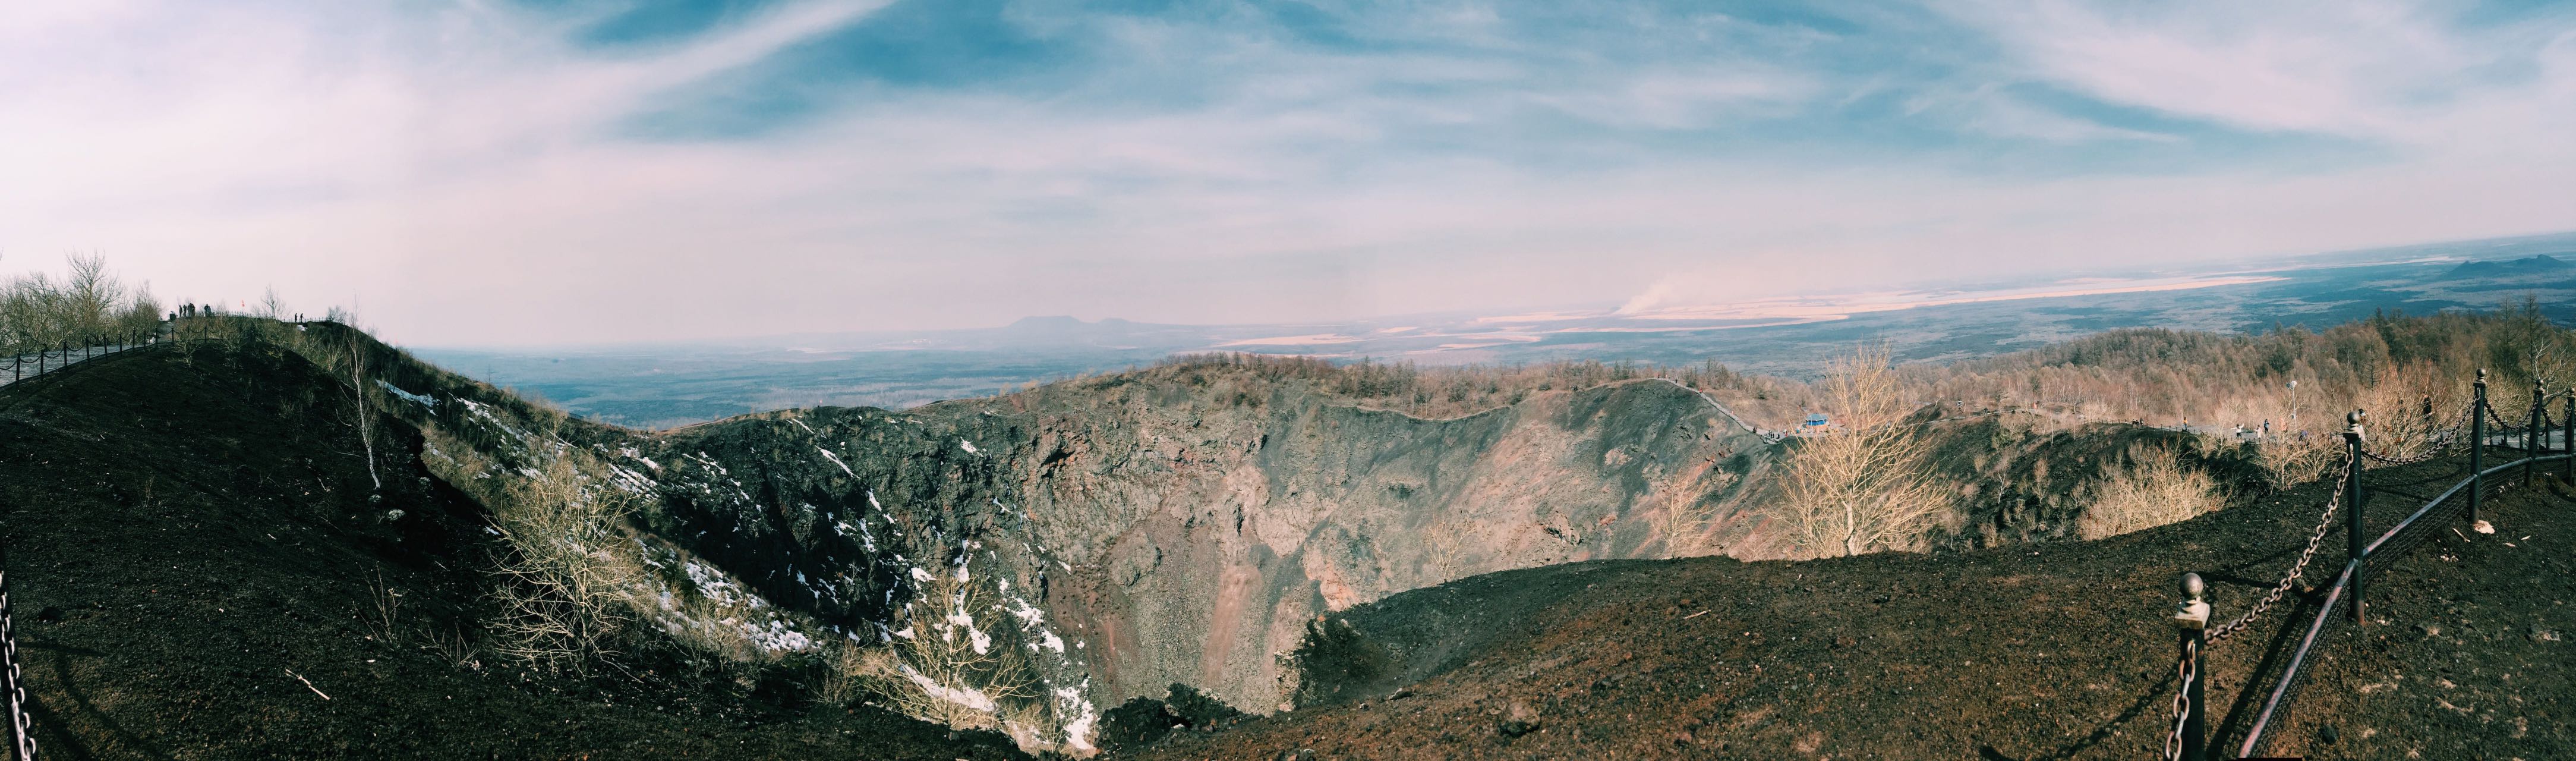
(2477, 445)
(2352, 516)
(2191, 622)
(2531, 432)
(2567, 437)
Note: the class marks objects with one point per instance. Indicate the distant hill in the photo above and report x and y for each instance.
(2535, 265)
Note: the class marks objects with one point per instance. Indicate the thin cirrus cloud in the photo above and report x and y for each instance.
(486, 173)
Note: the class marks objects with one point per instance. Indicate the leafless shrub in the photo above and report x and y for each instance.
(383, 622)
(954, 659)
(384, 606)
(2153, 490)
(453, 647)
(565, 595)
(2414, 409)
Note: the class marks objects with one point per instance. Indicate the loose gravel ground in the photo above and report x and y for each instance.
(2057, 651)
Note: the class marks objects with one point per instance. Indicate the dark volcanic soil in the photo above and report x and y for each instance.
(2048, 652)
(184, 531)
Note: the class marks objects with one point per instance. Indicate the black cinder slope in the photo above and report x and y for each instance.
(199, 569)
(2054, 651)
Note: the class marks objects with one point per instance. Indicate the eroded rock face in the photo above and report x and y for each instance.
(1208, 536)
(1183, 524)
(1175, 525)
(1172, 533)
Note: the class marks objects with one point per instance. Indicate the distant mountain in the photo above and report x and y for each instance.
(2534, 265)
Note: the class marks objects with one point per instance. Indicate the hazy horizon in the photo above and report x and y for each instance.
(1644, 307)
(596, 171)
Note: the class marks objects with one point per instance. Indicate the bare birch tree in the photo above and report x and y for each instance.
(1868, 486)
(357, 344)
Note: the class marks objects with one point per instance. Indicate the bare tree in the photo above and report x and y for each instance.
(357, 345)
(270, 306)
(1868, 486)
(92, 294)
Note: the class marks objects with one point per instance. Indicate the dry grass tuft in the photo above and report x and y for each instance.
(2155, 489)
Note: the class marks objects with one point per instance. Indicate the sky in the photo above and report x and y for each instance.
(525, 172)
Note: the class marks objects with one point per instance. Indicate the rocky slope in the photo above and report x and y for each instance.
(201, 565)
(1094, 540)
(1171, 532)
(1027, 561)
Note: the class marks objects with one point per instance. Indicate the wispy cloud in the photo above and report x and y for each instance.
(482, 172)
(2427, 75)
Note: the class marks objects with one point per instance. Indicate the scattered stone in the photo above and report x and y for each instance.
(2327, 734)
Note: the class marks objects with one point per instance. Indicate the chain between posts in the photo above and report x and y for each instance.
(2325, 522)
(2498, 417)
(2183, 668)
(21, 729)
